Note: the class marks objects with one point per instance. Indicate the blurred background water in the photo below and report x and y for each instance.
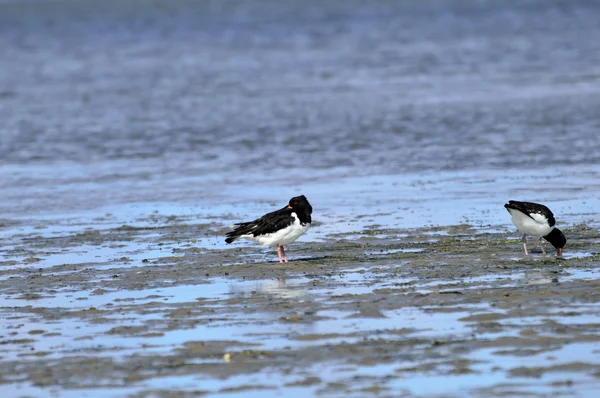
(115, 102)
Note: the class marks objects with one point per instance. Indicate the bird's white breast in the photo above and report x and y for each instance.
(283, 236)
(536, 225)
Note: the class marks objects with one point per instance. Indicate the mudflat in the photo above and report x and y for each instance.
(379, 312)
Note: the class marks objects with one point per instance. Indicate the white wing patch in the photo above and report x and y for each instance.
(536, 225)
(539, 218)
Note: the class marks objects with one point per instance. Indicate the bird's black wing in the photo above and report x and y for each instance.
(267, 224)
(528, 208)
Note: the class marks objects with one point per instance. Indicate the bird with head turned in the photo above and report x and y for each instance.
(277, 228)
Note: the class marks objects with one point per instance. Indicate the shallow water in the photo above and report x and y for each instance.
(196, 102)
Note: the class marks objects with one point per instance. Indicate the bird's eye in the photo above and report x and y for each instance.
(295, 203)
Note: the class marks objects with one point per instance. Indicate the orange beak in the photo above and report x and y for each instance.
(559, 252)
(289, 207)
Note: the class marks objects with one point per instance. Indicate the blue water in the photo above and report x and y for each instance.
(113, 102)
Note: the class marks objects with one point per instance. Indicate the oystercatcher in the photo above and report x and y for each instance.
(277, 228)
(536, 220)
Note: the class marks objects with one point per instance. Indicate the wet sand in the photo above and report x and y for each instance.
(439, 311)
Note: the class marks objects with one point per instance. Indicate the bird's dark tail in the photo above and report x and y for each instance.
(523, 207)
(239, 230)
(512, 204)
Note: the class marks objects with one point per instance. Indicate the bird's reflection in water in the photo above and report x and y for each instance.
(281, 287)
(539, 277)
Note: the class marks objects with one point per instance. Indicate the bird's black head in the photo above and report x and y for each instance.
(557, 239)
(300, 205)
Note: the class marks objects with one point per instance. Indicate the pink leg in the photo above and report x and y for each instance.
(524, 240)
(280, 253)
(283, 254)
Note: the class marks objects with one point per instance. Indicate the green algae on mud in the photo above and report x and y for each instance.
(373, 308)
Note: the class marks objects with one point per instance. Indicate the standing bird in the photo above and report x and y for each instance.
(536, 220)
(277, 228)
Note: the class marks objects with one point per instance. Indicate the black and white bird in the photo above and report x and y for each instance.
(277, 228)
(536, 220)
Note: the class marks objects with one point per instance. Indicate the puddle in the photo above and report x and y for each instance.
(571, 255)
(387, 252)
(271, 334)
(589, 319)
(137, 215)
(85, 255)
(533, 277)
(567, 353)
(59, 339)
(268, 383)
(346, 283)
(551, 254)
(498, 365)
(105, 255)
(29, 390)
(86, 299)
